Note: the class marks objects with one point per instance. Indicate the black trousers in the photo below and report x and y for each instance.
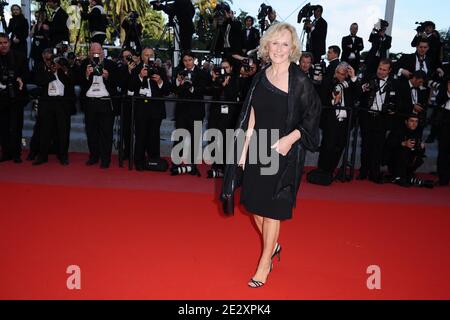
(373, 134)
(147, 133)
(11, 125)
(404, 163)
(222, 121)
(444, 149)
(99, 120)
(334, 140)
(54, 115)
(126, 126)
(187, 121)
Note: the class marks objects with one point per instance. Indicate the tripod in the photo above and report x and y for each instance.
(170, 28)
(87, 38)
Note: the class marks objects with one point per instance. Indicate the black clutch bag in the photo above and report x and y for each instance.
(232, 180)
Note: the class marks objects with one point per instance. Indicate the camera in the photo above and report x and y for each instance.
(221, 10)
(215, 173)
(264, 11)
(97, 65)
(167, 7)
(381, 25)
(319, 71)
(187, 77)
(129, 58)
(152, 69)
(306, 13)
(247, 64)
(9, 82)
(221, 74)
(340, 87)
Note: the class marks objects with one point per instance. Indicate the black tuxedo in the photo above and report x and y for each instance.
(250, 41)
(435, 46)
(357, 46)
(330, 70)
(58, 30)
(317, 40)
(54, 112)
(409, 62)
(148, 115)
(405, 104)
(378, 51)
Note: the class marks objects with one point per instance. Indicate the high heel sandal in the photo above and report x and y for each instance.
(258, 284)
(277, 252)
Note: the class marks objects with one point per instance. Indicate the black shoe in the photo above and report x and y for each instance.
(17, 160)
(362, 176)
(91, 161)
(140, 167)
(31, 156)
(39, 161)
(104, 165)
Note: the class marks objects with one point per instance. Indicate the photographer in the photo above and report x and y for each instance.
(427, 30)
(98, 84)
(317, 34)
(420, 60)
(352, 46)
(148, 80)
(379, 99)
(313, 72)
(133, 32)
(13, 73)
(58, 30)
(190, 83)
(98, 21)
(222, 117)
(55, 103)
(246, 74)
(443, 102)
(338, 93)
(126, 68)
(406, 151)
(381, 43)
(17, 29)
(413, 98)
(333, 54)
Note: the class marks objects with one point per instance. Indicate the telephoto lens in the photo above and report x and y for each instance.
(184, 169)
(215, 173)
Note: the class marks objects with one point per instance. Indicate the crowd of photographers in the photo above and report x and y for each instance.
(388, 101)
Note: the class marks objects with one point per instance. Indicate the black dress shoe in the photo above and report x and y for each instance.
(39, 161)
(91, 161)
(17, 160)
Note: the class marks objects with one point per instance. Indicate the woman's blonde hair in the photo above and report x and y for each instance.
(273, 33)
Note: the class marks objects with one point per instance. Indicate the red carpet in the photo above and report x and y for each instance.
(152, 236)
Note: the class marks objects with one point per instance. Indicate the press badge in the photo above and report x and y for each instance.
(224, 109)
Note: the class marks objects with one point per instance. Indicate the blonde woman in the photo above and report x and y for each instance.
(281, 98)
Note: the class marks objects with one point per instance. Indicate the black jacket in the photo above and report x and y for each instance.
(304, 109)
(158, 108)
(58, 30)
(404, 100)
(379, 44)
(317, 40)
(251, 41)
(435, 46)
(408, 62)
(17, 28)
(15, 62)
(97, 19)
(356, 48)
(42, 76)
(110, 84)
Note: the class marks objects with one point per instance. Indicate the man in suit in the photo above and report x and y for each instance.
(352, 46)
(412, 98)
(250, 36)
(58, 30)
(14, 73)
(338, 92)
(333, 58)
(420, 60)
(434, 39)
(317, 35)
(98, 84)
(379, 99)
(148, 80)
(381, 43)
(55, 78)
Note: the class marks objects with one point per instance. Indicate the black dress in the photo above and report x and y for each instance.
(270, 105)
